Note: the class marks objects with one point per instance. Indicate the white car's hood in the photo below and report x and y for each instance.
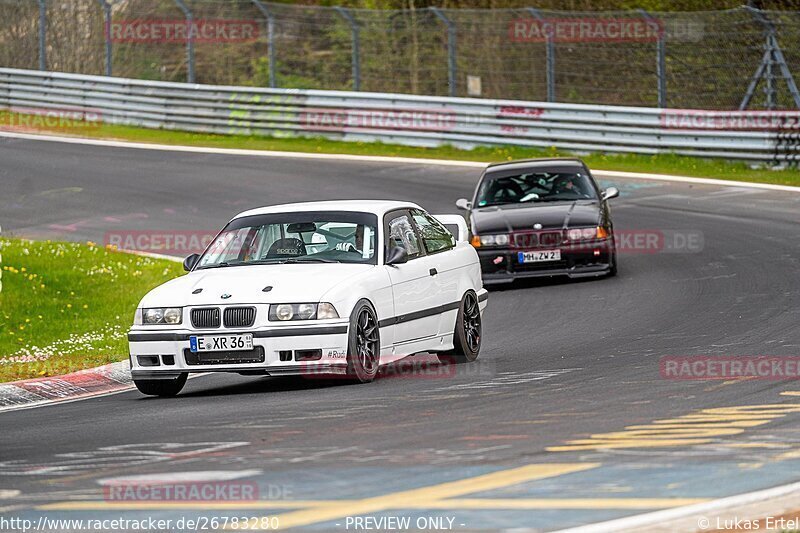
(245, 284)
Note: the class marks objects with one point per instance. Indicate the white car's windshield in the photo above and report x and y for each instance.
(306, 237)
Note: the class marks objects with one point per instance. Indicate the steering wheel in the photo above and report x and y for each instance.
(507, 191)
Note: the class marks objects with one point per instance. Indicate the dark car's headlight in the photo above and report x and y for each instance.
(500, 239)
(302, 311)
(586, 234)
(162, 315)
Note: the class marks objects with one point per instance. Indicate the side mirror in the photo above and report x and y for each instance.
(190, 262)
(463, 203)
(611, 192)
(396, 255)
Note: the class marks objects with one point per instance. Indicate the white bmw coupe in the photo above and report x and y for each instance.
(317, 288)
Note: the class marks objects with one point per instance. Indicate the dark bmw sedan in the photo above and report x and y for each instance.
(541, 217)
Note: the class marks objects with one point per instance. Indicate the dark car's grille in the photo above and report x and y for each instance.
(239, 317)
(550, 238)
(532, 240)
(256, 355)
(205, 317)
(526, 240)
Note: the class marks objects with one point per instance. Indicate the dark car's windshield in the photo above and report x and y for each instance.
(306, 237)
(535, 187)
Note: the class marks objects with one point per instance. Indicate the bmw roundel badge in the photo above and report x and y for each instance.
(225, 296)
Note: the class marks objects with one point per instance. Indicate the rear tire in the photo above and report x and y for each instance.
(467, 334)
(161, 387)
(363, 344)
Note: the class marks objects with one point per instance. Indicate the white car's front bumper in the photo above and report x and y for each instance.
(165, 353)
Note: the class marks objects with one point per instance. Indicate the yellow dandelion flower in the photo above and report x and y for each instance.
(69, 306)
(86, 306)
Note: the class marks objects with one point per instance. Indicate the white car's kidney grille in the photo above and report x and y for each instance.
(205, 317)
(239, 317)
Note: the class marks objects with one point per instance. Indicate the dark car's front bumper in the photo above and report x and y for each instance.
(587, 259)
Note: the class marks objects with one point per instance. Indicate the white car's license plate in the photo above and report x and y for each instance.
(539, 256)
(221, 343)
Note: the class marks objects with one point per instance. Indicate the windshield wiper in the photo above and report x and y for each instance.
(217, 265)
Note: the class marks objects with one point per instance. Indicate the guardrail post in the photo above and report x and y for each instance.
(661, 59)
(270, 40)
(550, 57)
(42, 34)
(107, 34)
(356, 38)
(451, 49)
(189, 39)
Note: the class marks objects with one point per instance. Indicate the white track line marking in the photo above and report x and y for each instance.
(379, 159)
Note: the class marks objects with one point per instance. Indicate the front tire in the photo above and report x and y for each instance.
(612, 271)
(467, 334)
(161, 387)
(364, 343)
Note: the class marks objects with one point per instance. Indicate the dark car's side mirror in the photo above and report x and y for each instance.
(464, 204)
(396, 255)
(190, 262)
(611, 192)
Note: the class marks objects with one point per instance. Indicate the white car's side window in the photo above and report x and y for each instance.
(435, 236)
(401, 233)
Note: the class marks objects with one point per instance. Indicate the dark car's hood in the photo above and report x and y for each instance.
(516, 217)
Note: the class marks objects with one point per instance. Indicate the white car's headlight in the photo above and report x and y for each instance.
(302, 311)
(162, 315)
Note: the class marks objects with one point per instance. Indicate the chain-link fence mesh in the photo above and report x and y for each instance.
(689, 60)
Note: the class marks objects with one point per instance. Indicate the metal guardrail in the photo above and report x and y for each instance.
(767, 136)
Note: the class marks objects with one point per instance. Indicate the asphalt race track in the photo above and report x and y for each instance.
(534, 435)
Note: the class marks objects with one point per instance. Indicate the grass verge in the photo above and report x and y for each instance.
(656, 164)
(68, 306)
